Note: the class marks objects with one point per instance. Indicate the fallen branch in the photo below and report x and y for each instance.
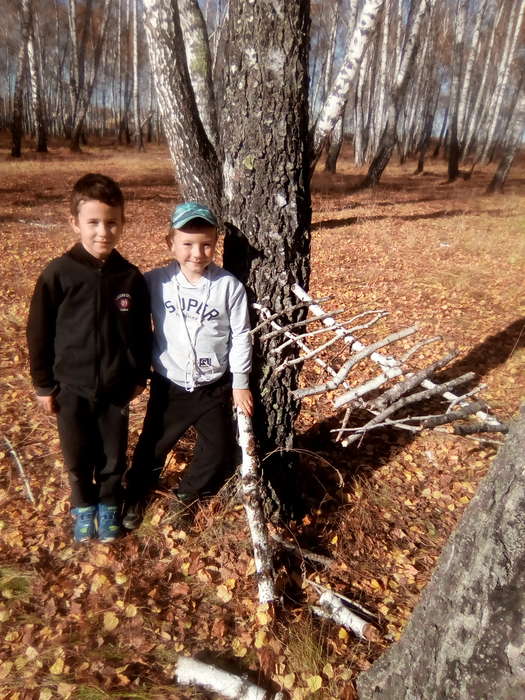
(413, 398)
(321, 363)
(25, 482)
(332, 608)
(366, 351)
(192, 672)
(303, 553)
(288, 310)
(254, 512)
(473, 428)
(411, 382)
(298, 324)
(390, 365)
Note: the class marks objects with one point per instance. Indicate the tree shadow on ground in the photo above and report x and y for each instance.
(493, 351)
(327, 469)
(441, 214)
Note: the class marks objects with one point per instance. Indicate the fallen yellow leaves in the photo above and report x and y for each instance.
(111, 621)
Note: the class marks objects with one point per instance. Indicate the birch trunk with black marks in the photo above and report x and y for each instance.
(81, 86)
(138, 135)
(17, 122)
(198, 58)
(513, 145)
(511, 42)
(466, 636)
(194, 158)
(266, 202)
(388, 138)
(334, 105)
(40, 126)
(258, 180)
(457, 73)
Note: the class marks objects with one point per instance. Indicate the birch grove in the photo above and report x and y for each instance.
(88, 68)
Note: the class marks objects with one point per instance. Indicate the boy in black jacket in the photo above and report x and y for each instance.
(89, 338)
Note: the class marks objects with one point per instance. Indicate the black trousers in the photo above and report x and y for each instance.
(171, 411)
(93, 437)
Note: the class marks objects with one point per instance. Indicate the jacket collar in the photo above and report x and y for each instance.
(81, 255)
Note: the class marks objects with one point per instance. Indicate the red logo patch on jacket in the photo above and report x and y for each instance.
(123, 301)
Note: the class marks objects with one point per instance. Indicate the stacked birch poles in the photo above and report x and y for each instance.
(393, 389)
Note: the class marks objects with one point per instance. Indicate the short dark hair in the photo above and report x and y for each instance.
(96, 186)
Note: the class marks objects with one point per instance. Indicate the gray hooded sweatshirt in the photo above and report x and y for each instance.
(200, 330)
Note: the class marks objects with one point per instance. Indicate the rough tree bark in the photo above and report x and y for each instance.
(257, 181)
(264, 132)
(466, 637)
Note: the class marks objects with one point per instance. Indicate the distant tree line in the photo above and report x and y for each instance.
(423, 77)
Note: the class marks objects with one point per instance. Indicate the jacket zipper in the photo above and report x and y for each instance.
(97, 332)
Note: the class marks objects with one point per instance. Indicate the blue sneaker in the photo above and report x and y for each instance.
(108, 523)
(84, 528)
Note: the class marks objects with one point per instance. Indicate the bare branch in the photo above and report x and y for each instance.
(411, 382)
(367, 351)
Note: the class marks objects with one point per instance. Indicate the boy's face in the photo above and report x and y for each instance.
(99, 227)
(193, 247)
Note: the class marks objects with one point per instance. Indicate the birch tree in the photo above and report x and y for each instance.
(513, 145)
(82, 85)
(388, 138)
(356, 45)
(37, 100)
(257, 180)
(139, 138)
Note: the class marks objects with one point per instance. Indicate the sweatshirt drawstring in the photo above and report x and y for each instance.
(191, 371)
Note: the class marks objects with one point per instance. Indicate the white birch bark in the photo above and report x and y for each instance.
(464, 90)
(511, 41)
(34, 74)
(191, 152)
(515, 140)
(139, 139)
(354, 51)
(250, 482)
(192, 672)
(476, 116)
(198, 58)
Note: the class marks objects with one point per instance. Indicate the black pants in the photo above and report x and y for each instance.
(93, 437)
(171, 411)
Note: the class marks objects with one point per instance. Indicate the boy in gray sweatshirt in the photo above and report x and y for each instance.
(201, 356)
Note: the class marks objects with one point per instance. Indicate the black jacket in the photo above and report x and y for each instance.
(89, 327)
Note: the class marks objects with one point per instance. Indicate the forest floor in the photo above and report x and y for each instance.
(109, 621)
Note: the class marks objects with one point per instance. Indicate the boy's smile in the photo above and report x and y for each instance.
(193, 247)
(99, 227)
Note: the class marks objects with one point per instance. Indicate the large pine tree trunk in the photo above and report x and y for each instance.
(264, 131)
(466, 638)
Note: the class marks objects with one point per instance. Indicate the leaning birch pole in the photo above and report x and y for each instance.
(254, 512)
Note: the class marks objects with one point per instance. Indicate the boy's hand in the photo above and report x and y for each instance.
(47, 403)
(242, 399)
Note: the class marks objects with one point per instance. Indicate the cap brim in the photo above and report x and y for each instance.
(186, 218)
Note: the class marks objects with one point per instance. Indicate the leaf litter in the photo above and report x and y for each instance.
(99, 621)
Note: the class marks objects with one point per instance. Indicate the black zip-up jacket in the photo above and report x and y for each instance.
(89, 327)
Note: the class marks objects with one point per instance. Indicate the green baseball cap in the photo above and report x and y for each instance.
(187, 211)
